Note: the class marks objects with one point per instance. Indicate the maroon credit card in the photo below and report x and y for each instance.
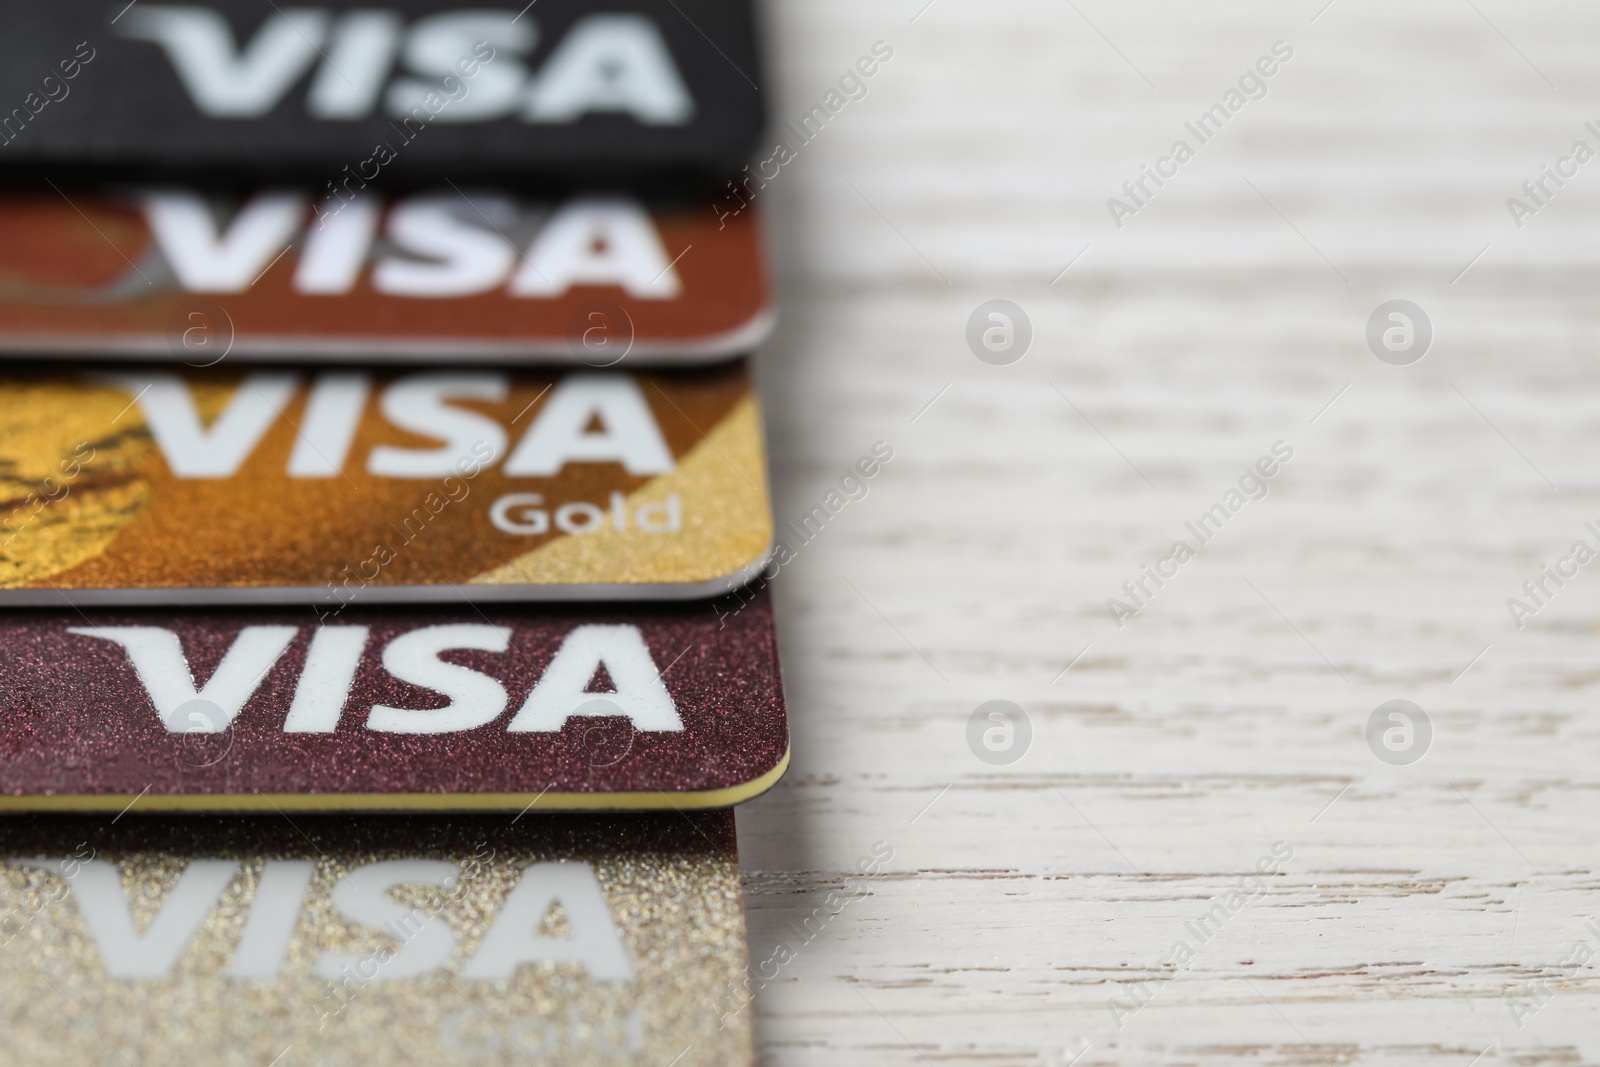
(675, 706)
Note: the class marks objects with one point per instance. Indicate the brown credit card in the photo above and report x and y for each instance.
(329, 941)
(398, 709)
(455, 275)
(135, 485)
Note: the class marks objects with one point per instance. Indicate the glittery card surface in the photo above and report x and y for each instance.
(327, 941)
(134, 485)
(445, 276)
(509, 709)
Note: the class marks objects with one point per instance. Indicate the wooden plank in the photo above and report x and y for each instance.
(1230, 714)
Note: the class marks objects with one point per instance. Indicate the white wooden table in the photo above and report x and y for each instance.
(1227, 314)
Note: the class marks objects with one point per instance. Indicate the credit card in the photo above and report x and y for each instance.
(133, 485)
(402, 88)
(451, 275)
(512, 709)
(330, 941)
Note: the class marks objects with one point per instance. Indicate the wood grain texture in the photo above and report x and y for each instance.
(1230, 714)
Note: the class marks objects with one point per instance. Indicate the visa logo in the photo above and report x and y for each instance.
(335, 652)
(586, 417)
(441, 244)
(473, 60)
(415, 940)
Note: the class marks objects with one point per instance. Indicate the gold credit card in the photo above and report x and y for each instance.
(136, 485)
(401, 940)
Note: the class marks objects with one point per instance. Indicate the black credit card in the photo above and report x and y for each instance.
(381, 89)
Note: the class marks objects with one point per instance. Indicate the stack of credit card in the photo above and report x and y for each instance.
(381, 475)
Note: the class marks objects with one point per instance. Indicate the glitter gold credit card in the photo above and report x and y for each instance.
(329, 941)
(512, 709)
(449, 275)
(131, 485)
